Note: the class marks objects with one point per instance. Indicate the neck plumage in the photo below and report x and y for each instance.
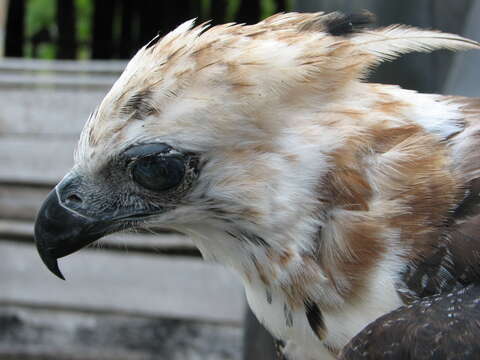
(372, 200)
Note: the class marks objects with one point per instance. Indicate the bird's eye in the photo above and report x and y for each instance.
(158, 173)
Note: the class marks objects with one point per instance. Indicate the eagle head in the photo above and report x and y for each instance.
(225, 133)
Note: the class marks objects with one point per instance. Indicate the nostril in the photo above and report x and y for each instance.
(73, 199)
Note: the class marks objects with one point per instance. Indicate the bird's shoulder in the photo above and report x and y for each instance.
(451, 260)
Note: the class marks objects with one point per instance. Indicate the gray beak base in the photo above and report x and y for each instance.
(60, 232)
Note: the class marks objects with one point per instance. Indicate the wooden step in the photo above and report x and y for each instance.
(22, 202)
(124, 283)
(95, 68)
(35, 160)
(52, 97)
(37, 334)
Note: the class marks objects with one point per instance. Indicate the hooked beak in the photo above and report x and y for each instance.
(60, 232)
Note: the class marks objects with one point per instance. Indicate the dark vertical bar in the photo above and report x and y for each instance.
(248, 12)
(174, 13)
(67, 40)
(15, 31)
(127, 14)
(218, 10)
(151, 14)
(161, 17)
(281, 5)
(196, 11)
(102, 35)
(258, 344)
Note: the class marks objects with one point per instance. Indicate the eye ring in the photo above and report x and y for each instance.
(158, 172)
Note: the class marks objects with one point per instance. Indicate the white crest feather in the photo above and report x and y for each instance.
(184, 27)
(391, 42)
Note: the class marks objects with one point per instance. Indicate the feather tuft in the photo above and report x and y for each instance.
(391, 42)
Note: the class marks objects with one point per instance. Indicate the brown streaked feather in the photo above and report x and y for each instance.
(384, 180)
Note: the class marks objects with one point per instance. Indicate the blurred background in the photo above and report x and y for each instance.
(141, 296)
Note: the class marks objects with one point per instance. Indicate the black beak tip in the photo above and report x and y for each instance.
(52, 264)
(42, 234)
(48, 259)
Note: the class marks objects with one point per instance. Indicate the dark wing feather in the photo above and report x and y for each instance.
(440, 327)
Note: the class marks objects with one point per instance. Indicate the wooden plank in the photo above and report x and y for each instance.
(52, 97)
(106, 281)
(56, 81)
(39, 334)
(35, 160)
(21, 202)
(160, 242)
(94, 68)
(50, 111)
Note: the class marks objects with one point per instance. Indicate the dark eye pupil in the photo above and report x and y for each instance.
(158, 173)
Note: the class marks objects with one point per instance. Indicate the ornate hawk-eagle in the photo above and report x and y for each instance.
(349, 209)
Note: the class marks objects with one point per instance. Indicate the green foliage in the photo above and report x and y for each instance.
(232, 10)
(39, 14)
(268, 7)
(84, 10)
